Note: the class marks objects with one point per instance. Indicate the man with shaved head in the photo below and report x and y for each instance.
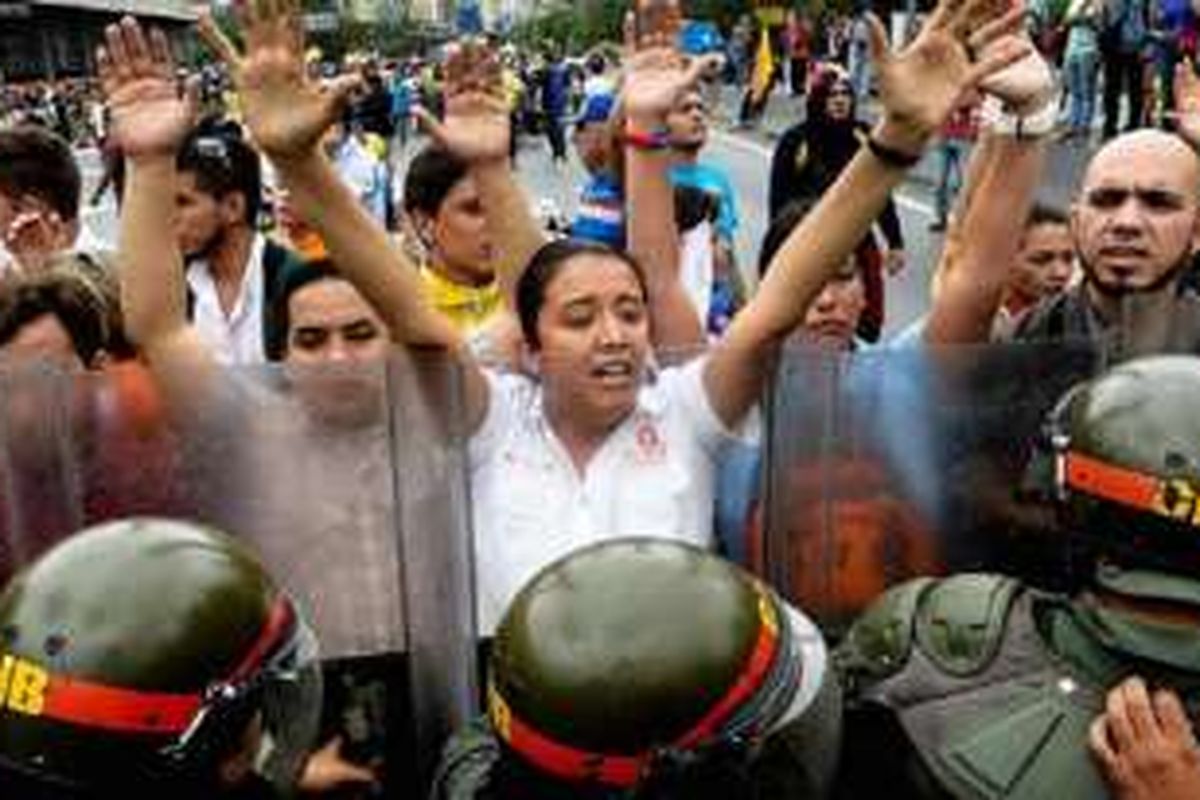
(1135, 224)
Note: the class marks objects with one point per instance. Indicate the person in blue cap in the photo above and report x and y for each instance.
(601, 215)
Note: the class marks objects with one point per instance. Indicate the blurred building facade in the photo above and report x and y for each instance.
(45, 39)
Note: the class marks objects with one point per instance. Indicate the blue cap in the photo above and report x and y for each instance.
(596, 108)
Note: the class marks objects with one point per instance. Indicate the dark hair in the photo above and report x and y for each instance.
(785, 222)
(34, 161)
(99, 271)
(292, 279)
(77, 306)
(222, 164)
(694, 205)
(1044, 214)
(431, 176)
(546, 263)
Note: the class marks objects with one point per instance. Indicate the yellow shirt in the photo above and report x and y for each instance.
(375, 145)
(468, 307)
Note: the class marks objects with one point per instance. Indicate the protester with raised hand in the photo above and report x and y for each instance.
(919, 87)
(656, 78)
(327, 322)
(476, 130)
(988, 224)
(589, 450)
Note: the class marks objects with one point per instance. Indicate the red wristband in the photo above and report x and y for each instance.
(645, 140)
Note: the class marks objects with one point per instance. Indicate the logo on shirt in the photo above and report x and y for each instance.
(649, 447)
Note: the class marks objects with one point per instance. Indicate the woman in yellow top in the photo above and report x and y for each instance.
(443, 206)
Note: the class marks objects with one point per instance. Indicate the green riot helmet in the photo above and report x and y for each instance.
(153, 653)
(624, 661)
(1127, 470)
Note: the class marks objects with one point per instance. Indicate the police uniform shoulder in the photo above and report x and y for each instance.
(880, 641)
(960, 622)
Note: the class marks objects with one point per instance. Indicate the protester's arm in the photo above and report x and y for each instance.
(287, 116)
(993, 220)
(1145, 746)
(149, 123)
(510, 220)
(920, 86)
(654, 241)
(985, 242)
(655, 77)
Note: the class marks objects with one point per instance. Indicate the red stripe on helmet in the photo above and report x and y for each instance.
(126, 710)
(564, 761)
(1165, 497)
(278, 624)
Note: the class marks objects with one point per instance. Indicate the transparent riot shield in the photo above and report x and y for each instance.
(350, 483)
(885, 464)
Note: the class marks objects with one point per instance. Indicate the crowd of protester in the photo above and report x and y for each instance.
(284, 216)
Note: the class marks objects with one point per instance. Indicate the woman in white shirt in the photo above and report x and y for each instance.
(591, 449)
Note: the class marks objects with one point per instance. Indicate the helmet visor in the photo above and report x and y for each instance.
(265, 723)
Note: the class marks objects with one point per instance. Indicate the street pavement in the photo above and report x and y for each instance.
(745, 156)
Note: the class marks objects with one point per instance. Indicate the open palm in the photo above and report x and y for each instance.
(922, 84)
(1024, 86)
(149, 117)
(476, 126)
(286, 112)
(656, 74)
(654, 80)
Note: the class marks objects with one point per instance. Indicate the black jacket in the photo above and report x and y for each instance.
(809, 158)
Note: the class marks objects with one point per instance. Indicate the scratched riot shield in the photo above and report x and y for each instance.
(885, 464)
(349, 482)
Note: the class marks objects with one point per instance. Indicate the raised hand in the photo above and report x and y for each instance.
(1145, 745)
(656, 74)
(287, 113)
(477, 125)
(149, 115)
(1025, 86)
(921, 84)
(36, 234)
(1187, 102)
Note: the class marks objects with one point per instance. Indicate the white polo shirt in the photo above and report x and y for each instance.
(238, 337)
(653, 476)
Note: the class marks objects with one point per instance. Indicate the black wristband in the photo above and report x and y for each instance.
(890, 155)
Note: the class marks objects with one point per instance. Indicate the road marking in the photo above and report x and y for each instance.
(761, 150)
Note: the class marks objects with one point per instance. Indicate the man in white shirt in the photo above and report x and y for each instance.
(366, 174)
(233, 271)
